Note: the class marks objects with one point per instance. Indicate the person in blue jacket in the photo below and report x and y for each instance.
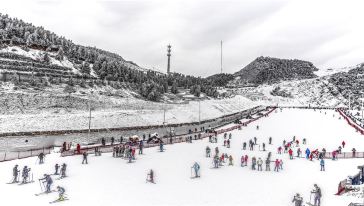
(322, 164)
(307, 153)
(196, 168)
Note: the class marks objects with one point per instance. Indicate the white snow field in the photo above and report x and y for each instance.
(112, 181)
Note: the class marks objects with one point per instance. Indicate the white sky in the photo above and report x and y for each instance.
(329, 33)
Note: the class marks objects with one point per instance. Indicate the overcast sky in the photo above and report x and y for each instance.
(328, 33)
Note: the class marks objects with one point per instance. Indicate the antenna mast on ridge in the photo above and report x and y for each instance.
(221, 55)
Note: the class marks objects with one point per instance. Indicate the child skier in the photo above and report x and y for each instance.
(61, 192)
(297, 200)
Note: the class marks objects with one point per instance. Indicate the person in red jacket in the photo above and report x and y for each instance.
(246, 160)
(78, 149)
(343, 144)
(290, 152)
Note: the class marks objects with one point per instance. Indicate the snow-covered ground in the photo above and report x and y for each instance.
(112, 181)
(130, 112)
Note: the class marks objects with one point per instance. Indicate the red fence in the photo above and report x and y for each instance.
(167, 140)
(351, 122)
(12, 155)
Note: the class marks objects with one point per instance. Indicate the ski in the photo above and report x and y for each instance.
(9, 183)
(22, 183)
(45, 193)
(310, 204)
(56, 201)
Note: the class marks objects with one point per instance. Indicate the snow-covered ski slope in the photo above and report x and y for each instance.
(112, 181)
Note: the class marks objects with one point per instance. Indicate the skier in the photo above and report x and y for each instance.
(103, 142)
(317, 195)
(63, 170)
(208, 151)
(224, 142)
(264, 147)
(15, 174)
(260, 163)
(25, 174)
(231, 161)
(254, 162)
(141, 145)
(307, 153)
(354, 152)
(322, 164)
(276, 165)
(56, 168)
(61, 192)
(230, 135)
(150, 176)
(323, 152)
(297, 143)
(267, 164)
(290, 152)
(284, 142)
(84, 157)
(257, 127)
(217, 151)
(41, 158)
(334, 153)
(270, 140)
(299, 152)
(78, 148)
(161, 149)
(279, 150)
(196, 168)
(244, 145)
(255, 140)
(48, 180)
(281, 164)
(304, 141)
(216, 161)
(242, 161)
(228, 143)
(297, 200)
(343, 144)
(246, 160)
